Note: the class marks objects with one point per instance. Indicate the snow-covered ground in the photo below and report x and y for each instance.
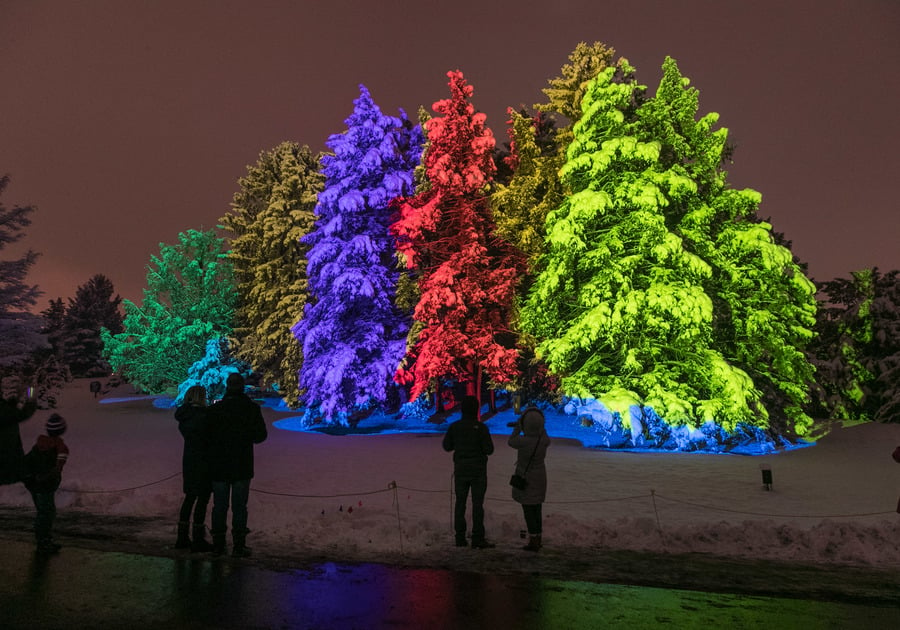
(387, 496)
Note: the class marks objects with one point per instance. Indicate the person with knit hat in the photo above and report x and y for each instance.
(531, 442)
(42, 475)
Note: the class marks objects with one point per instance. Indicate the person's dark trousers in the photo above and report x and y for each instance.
(196, 503)
(478, 487)
(533, 518)
(236, 493)
(45, 504)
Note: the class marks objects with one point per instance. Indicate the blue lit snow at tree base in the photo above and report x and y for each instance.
(586, 422)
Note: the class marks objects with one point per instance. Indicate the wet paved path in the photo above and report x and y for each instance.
(87, 588)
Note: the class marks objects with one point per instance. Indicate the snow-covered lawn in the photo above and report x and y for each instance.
(387, 496)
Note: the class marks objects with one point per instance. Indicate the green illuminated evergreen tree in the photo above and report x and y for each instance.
(189, 299)
(538, 150)
(565, 92)
(521, 202)
(660, 287)
(270, 213)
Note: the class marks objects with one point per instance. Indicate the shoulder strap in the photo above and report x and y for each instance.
(536, 444)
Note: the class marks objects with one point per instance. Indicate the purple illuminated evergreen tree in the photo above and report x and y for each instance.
(353, 336)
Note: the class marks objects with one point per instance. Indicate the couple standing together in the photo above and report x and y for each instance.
(470, 442)
(217, 461)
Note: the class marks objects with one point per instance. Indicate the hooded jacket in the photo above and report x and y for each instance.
(531, 443)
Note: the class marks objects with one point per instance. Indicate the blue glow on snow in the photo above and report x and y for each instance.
(560, 425)
(605, 434)
(124, 399)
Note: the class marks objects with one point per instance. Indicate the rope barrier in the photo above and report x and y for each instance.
(146, 485)
(394, 487)
(718, 509)
(324, 496)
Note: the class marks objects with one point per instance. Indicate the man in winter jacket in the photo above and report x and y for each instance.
(235, 424)
(470, 442)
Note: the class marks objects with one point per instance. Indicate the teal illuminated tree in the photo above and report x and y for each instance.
(466, 274)
(353, 334)
(660, 288)
(212, 370)
(271, 213)
(189, 299)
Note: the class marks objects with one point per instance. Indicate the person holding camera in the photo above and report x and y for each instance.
(529, 484)
(16, 406)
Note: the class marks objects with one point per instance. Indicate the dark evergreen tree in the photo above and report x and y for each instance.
(93, 309)
(54, 322)
(190, 298)
(271, 213)
(16, 295)
(857, 356)
(353, 334)
(19, 329)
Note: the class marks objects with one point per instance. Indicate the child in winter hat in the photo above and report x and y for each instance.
(43, 473)
(56, 425)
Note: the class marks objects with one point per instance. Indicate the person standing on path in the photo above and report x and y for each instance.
(196, 484)
(235, 424)
(42, 472)
(470, 442)
(13, 411)
(531, 442)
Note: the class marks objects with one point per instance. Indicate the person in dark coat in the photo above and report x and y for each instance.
(235, 425)
(196, 484)
(13, 411)
(470, 442)
(531, 442)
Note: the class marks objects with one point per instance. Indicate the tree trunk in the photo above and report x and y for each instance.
(438, 398)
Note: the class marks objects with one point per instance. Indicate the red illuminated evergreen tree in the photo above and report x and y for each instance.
(466, 274)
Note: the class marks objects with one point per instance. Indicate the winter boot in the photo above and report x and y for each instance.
(534, 544)
(240, 548)
(184, 540)
(218, 544)
(199, 544)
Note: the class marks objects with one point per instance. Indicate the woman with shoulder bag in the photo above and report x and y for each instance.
(531, 442)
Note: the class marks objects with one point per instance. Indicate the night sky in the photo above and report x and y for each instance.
(127, 122)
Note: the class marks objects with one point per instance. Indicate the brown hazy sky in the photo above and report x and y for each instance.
(127, 122)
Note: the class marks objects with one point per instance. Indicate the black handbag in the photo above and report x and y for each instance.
(518, 481)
